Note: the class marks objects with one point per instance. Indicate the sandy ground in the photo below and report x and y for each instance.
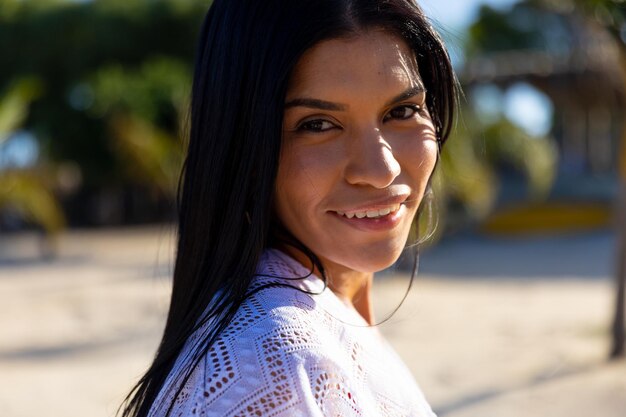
(492, 328)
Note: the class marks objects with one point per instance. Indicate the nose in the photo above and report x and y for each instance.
(371, 161)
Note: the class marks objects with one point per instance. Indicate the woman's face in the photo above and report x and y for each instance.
(358, 149)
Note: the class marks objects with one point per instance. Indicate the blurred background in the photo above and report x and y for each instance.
(518, 308)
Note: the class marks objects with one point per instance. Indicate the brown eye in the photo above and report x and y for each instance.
(402, 112)
(317, 125)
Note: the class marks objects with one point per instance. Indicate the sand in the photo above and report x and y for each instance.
(492, 328)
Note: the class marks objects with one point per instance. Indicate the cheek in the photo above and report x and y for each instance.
(429, 152)
(419, 156)
(285, 187)
(306, 173)
(295, 190)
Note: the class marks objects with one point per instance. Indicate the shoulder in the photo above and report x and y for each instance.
(283, 364)
(278, 356)
(271, 360)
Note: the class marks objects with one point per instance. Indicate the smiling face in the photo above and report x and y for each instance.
(358, 149)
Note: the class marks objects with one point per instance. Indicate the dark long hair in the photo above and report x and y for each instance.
(246, 53)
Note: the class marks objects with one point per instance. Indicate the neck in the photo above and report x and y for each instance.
(352, 287)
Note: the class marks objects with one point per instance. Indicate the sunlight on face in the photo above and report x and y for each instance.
(358, 149)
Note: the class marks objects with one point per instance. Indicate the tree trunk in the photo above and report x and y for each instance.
(619, 325)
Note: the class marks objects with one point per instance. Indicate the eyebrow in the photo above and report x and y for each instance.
(411, 92)
(314, 103)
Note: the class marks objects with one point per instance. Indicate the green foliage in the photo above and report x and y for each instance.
(472, 157)
(152, 155)
(114, 78)
(496, 30)
(465, 175)
(540, 24)
(145, 110)
(537, 25)
(86, 55)
(109, 80)
(493, 21)
(14, 105)
(157, 91)
(535, 157)
(23, 190)
(26, 192)
(609, 13)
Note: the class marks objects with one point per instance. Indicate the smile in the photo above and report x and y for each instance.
(370, 214)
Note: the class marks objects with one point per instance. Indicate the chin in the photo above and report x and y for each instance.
(371, 260)
(378, 265)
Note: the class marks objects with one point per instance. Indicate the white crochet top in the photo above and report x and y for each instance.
(288, 353)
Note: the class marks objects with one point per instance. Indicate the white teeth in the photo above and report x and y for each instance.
(370, 214)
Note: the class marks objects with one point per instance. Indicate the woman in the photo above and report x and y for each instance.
(315, 129)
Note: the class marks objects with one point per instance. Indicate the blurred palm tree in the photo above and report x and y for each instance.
(99, 97)
(145, 110)
(24, 190)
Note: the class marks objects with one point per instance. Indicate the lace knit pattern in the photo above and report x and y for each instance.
(288, 353)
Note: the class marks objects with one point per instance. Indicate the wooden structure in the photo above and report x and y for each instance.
(585, 85)
(586, 82)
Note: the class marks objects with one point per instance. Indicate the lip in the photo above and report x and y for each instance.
(377, 224)
(376, 204)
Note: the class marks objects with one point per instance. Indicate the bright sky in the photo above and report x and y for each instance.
(457, 14)
(452, 17)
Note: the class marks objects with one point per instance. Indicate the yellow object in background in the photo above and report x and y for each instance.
(549, 217)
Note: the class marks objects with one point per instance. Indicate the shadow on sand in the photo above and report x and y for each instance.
(538, 381)
(584, 256)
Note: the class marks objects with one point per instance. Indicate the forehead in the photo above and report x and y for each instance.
(373, 56)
